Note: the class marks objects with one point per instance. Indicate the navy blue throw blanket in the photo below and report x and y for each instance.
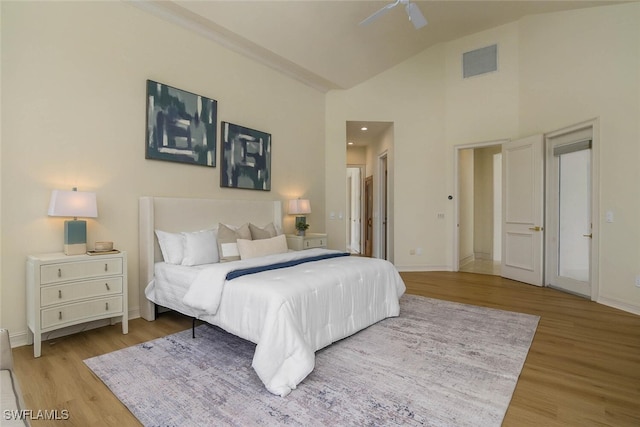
(251, 270)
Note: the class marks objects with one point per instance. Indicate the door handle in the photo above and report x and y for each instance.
(536, 228)
(588, 235)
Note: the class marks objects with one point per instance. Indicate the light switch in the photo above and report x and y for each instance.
(609, 216)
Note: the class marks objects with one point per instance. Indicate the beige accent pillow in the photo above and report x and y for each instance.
(262, 247)
(267, 232)
(227, 241)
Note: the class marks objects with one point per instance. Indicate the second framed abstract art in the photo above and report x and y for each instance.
(245, 158)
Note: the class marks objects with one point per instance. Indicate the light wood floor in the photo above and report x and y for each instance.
(583, 368)
(482, 266)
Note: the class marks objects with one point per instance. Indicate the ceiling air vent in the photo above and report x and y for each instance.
(480, 61)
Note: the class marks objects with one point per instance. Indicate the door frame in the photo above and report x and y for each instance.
(382, 214)
(368, 217)
(456, 193)
(594, 272)
(361, 203)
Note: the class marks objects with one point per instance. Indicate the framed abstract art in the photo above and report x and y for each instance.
(245, 158)
(181, 126)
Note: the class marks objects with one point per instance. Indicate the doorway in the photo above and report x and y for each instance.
(572, 172)
(370, 146)
(478, 208)
(550, 200)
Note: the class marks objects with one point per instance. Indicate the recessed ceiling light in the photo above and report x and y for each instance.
(350, 143)
(363, 128)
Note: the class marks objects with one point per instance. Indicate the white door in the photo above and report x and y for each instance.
(523, 210)
(569, 211)
(354, 201)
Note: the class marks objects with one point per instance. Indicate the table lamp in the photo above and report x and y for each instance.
(299, 207)
(74, 204)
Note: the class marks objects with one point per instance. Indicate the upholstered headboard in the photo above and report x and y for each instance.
(174, 214)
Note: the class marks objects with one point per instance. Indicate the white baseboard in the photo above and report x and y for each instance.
(483, 255)
(620, 305)
(20, 339)
(410, 268)
(467, 259)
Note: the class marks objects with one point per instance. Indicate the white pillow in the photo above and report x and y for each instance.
(200, 247)
(262, 247)
(171, 246)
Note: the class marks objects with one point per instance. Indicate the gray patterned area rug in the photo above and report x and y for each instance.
(439, 364)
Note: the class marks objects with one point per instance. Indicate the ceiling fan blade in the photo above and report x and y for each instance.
(415, 16)
(379, 13)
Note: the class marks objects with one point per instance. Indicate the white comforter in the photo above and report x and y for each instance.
(292, 312)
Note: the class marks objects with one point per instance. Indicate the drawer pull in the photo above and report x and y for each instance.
(59, 315)
(59, 293)
(106, 266)
(59, 273)
(107, 285)
(106, 306)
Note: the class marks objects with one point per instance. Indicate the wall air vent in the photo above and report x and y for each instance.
(480, 61)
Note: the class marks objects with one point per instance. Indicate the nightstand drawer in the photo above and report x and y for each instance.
(62, 272)
(315, 243)
(310, 241)
(57, 294)
(82, 311)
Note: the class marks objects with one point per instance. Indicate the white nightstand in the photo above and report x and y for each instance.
(67, 290)
(310, 240)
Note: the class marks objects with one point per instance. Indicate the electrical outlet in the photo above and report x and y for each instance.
(440, 215)
(638, 280)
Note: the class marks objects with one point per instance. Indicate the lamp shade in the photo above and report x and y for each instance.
(73, 204)
(299, 207)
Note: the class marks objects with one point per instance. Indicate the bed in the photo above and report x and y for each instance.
(289, 303)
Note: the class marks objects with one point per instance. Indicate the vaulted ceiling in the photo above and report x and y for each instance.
(321, 42)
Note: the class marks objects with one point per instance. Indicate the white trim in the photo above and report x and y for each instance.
(363, 170)
(620, 305)
(379, 209)
(422, 268)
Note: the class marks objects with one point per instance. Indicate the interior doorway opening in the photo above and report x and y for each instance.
(479, 208)
(369, 191)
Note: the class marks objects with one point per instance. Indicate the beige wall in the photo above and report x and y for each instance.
(73, 103)
(409, 95)
(555, 70)
(356, 155)
(483, 201)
